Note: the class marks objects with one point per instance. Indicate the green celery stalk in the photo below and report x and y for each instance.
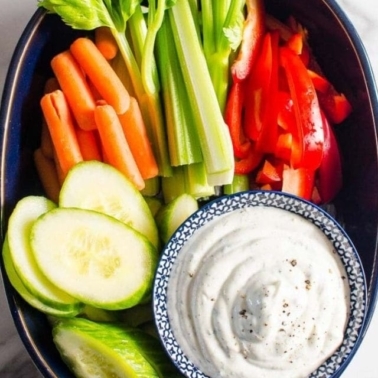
(183, 142)
(175, 185)
(222, 22)
(213, 132)
(196, 181)
(240, 183)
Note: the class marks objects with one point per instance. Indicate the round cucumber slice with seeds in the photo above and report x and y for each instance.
(94, 257)
(20, 224)
(100, 187)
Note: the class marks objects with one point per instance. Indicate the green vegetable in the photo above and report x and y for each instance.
(20, 224)
(94, 257)
(94, 185)
(213, 132)
(222, 22)
(110, 350)
(22, 290)
(171, 216)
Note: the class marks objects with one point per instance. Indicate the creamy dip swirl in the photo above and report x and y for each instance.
(258, 292)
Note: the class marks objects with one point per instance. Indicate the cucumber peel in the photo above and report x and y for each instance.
(110, 350)
(33, 301)
(172, 215)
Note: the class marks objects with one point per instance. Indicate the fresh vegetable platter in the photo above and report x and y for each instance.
(313, 59)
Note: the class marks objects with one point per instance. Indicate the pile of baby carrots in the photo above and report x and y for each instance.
(89, 115)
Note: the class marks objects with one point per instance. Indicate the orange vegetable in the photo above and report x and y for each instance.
(88, 144)
(47, 174)
(101, 74)
(137, 138)
(47, 147)
(75, 87)
(105, 42)
(115, 145)
(62, 129)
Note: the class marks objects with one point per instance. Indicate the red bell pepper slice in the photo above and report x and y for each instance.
(284, 146)
(335, 105)
(249, 163)
(321, 84)
(233, 119)
(285, 112)
(269, 173)
(267, 140)
(299, 182)
(308, 140)
(258, 88)
(253, 31)
(329, 174)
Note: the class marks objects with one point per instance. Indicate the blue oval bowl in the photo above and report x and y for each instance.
(341, 54)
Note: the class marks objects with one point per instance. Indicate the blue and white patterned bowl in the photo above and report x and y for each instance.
(333, 231)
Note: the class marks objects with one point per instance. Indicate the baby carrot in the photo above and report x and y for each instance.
(47, 174)
(115, 146)
(88, 144)
(46, 146)
(105, 42)
(101, 73)
(62, 129)
(137, 138)
(72, 82)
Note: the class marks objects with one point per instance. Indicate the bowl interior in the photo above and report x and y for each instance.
(340, 54)
(217, 209)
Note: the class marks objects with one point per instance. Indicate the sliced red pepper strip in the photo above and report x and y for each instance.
(248, 164)
(336, 106)
(269, 173)
(253, 31)
(283, 147)
(329, 174)
(308, 142)
(321, 84)
(285, 112)
(299, 182)
(295, 43)
(267, 139)
(257, 90)
(233, 119)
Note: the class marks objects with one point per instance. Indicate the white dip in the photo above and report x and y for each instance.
(260, 293)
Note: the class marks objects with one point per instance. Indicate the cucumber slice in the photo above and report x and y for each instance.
(94, 185)
(94, 257)
(170, 216)
(28, 297)
(110, 350)
(20, 224)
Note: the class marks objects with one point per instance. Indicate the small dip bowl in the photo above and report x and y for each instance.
(315, 218)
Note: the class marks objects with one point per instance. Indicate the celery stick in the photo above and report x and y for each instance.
(239, 184)
(152, 187)
(227, 24)
(213, 132)
(196, 181)
(172, 187)
(183, 141)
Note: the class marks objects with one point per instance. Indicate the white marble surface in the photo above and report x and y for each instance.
(14, 14)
